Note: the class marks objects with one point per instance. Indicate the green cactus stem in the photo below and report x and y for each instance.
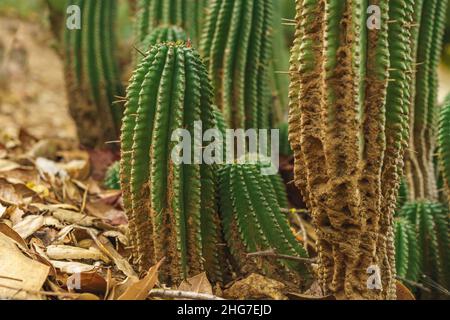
(422, 177)
(431, 225)
(171, 208)
(236, 45)
(253, 222)
(112, 177)
(186, 14)
(163, 34)
(444, 145)
(407, 252)
(91, 73)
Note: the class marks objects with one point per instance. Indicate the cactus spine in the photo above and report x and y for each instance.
(91, 73)
(348, 130)
(186, 14)
(444, 144)
(164, 34)
(252, 221)
(236, 45)
(171, 208)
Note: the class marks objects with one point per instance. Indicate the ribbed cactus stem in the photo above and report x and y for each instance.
(407, 251)
(430, 222)
(171, 208)
(253, 222)
(236, 44)
(422, 176)
(444, 145)
(92, 79)
(163, 34)
(349, 128)
(279, 66)
(187, 14)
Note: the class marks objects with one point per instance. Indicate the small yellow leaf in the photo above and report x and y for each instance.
(41, 190)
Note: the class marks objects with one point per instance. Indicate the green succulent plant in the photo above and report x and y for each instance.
(350, 97)
(171, 208)
(444, 145)
(407, 251)
(112, 176)
(91, 72)
(431, 226)
(164, 34)
(186, 14)
(236, 45)
(252, 222)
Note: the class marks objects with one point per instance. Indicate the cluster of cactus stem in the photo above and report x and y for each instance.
(362, 118)
(349, 125)
(236, 44)
(91, 72)
(172, 208)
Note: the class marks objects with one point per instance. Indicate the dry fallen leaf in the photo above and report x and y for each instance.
(7, 231)
(2, 210)
(72, 267)
(403, 293)
(90, 282)
(140, 289)
(107, 248)
(62, 252)
(7, 165)
(29, 225)
(18, 271)
(198, 284)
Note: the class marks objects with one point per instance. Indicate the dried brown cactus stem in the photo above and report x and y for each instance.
(345, 144)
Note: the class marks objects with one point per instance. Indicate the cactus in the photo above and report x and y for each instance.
(186, 14)
(285, 147)
(252, 222)
(444, 144)
(349, 125)
(163, 34)
(422, 179)
(112, 176)
(430, 221)
(91, 73)
(279, 65)
(236, 44)
(403, 194)
(171, 208)
(407, 251)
